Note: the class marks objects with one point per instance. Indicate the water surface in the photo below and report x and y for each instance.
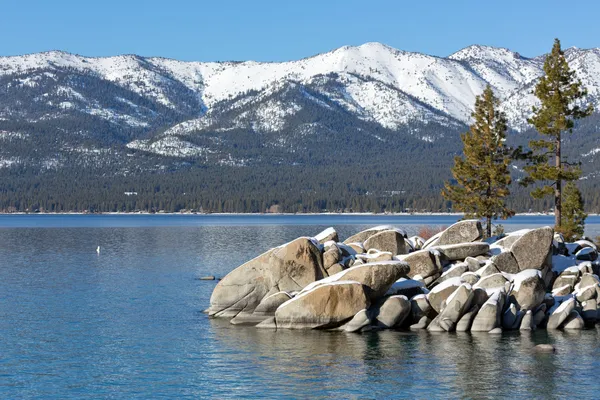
(128, 322)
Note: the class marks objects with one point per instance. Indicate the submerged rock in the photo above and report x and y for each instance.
(544, 348)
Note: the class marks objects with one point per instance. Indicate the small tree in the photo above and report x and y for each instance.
(573, 216)
(559, 93)
(482, 176)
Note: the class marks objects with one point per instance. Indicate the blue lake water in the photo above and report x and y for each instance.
(128, 322)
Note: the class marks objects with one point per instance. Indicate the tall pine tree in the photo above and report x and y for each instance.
(482, 176)
(560, 94)
(573, 216)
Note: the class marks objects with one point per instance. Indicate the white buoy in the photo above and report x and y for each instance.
(98, 250)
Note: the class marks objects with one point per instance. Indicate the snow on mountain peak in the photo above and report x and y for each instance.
(477, 51)
(416, 82)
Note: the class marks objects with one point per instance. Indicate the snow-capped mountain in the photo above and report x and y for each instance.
(160, 105)
(361, 128)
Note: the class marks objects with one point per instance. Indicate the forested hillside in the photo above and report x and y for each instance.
(366, 128)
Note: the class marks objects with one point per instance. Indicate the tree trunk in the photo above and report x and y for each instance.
(489, 226)
(558, 189)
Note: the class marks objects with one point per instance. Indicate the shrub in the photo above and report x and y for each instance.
(428, 231)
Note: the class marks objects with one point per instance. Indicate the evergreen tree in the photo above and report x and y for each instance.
(482, 176)
(559, 93)
(573, 216)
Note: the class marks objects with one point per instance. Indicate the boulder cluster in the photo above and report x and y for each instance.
(382, 279)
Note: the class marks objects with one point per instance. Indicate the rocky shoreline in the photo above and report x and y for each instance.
(382, 279)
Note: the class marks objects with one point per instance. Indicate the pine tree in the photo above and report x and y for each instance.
(573, 216)
(482, 176)
(559, 93)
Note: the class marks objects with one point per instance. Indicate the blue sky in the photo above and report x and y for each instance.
(277, 30)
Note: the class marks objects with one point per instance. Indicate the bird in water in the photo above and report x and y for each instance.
(98, 250)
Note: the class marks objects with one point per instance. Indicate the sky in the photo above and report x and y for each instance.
(279, 30)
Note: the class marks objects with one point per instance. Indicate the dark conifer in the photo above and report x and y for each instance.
(573, 216)
(560, 94)
(482, 175)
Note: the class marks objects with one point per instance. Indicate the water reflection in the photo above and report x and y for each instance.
(416, 364)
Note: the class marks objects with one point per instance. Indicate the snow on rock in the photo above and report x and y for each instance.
(560, 263)
(519, 278)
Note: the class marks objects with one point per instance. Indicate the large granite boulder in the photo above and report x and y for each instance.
(507, 241)
(489, 316)
(527, 323)
(565, 280)
(461, 232)
(269, 304)
(588, 280)
(573, 321)
(506, 262)
(465, 322)
(422, 263)
(374, 256)
(388, 241)
(393, 312)
(362, 236)
(529, 290)
(561, 313)
(456, 305)
(453, 271)
(328, 235)
(361, 320)
(420, 307)
(286, 268)
(470, 277)
(492, 281)
(265, 309)
(326, 306)
(441, 292)
(460, 251)
(376, 277)
(331, 256)
(533, 248)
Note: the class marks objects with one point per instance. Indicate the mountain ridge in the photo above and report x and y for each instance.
(130, 115)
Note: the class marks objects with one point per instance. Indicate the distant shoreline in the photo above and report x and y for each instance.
(416, 214)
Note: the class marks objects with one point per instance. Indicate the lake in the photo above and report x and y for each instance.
(128, 322)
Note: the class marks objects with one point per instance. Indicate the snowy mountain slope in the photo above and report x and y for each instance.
(443, 85)
(168, 107)
(505, 70)
(586, 64)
